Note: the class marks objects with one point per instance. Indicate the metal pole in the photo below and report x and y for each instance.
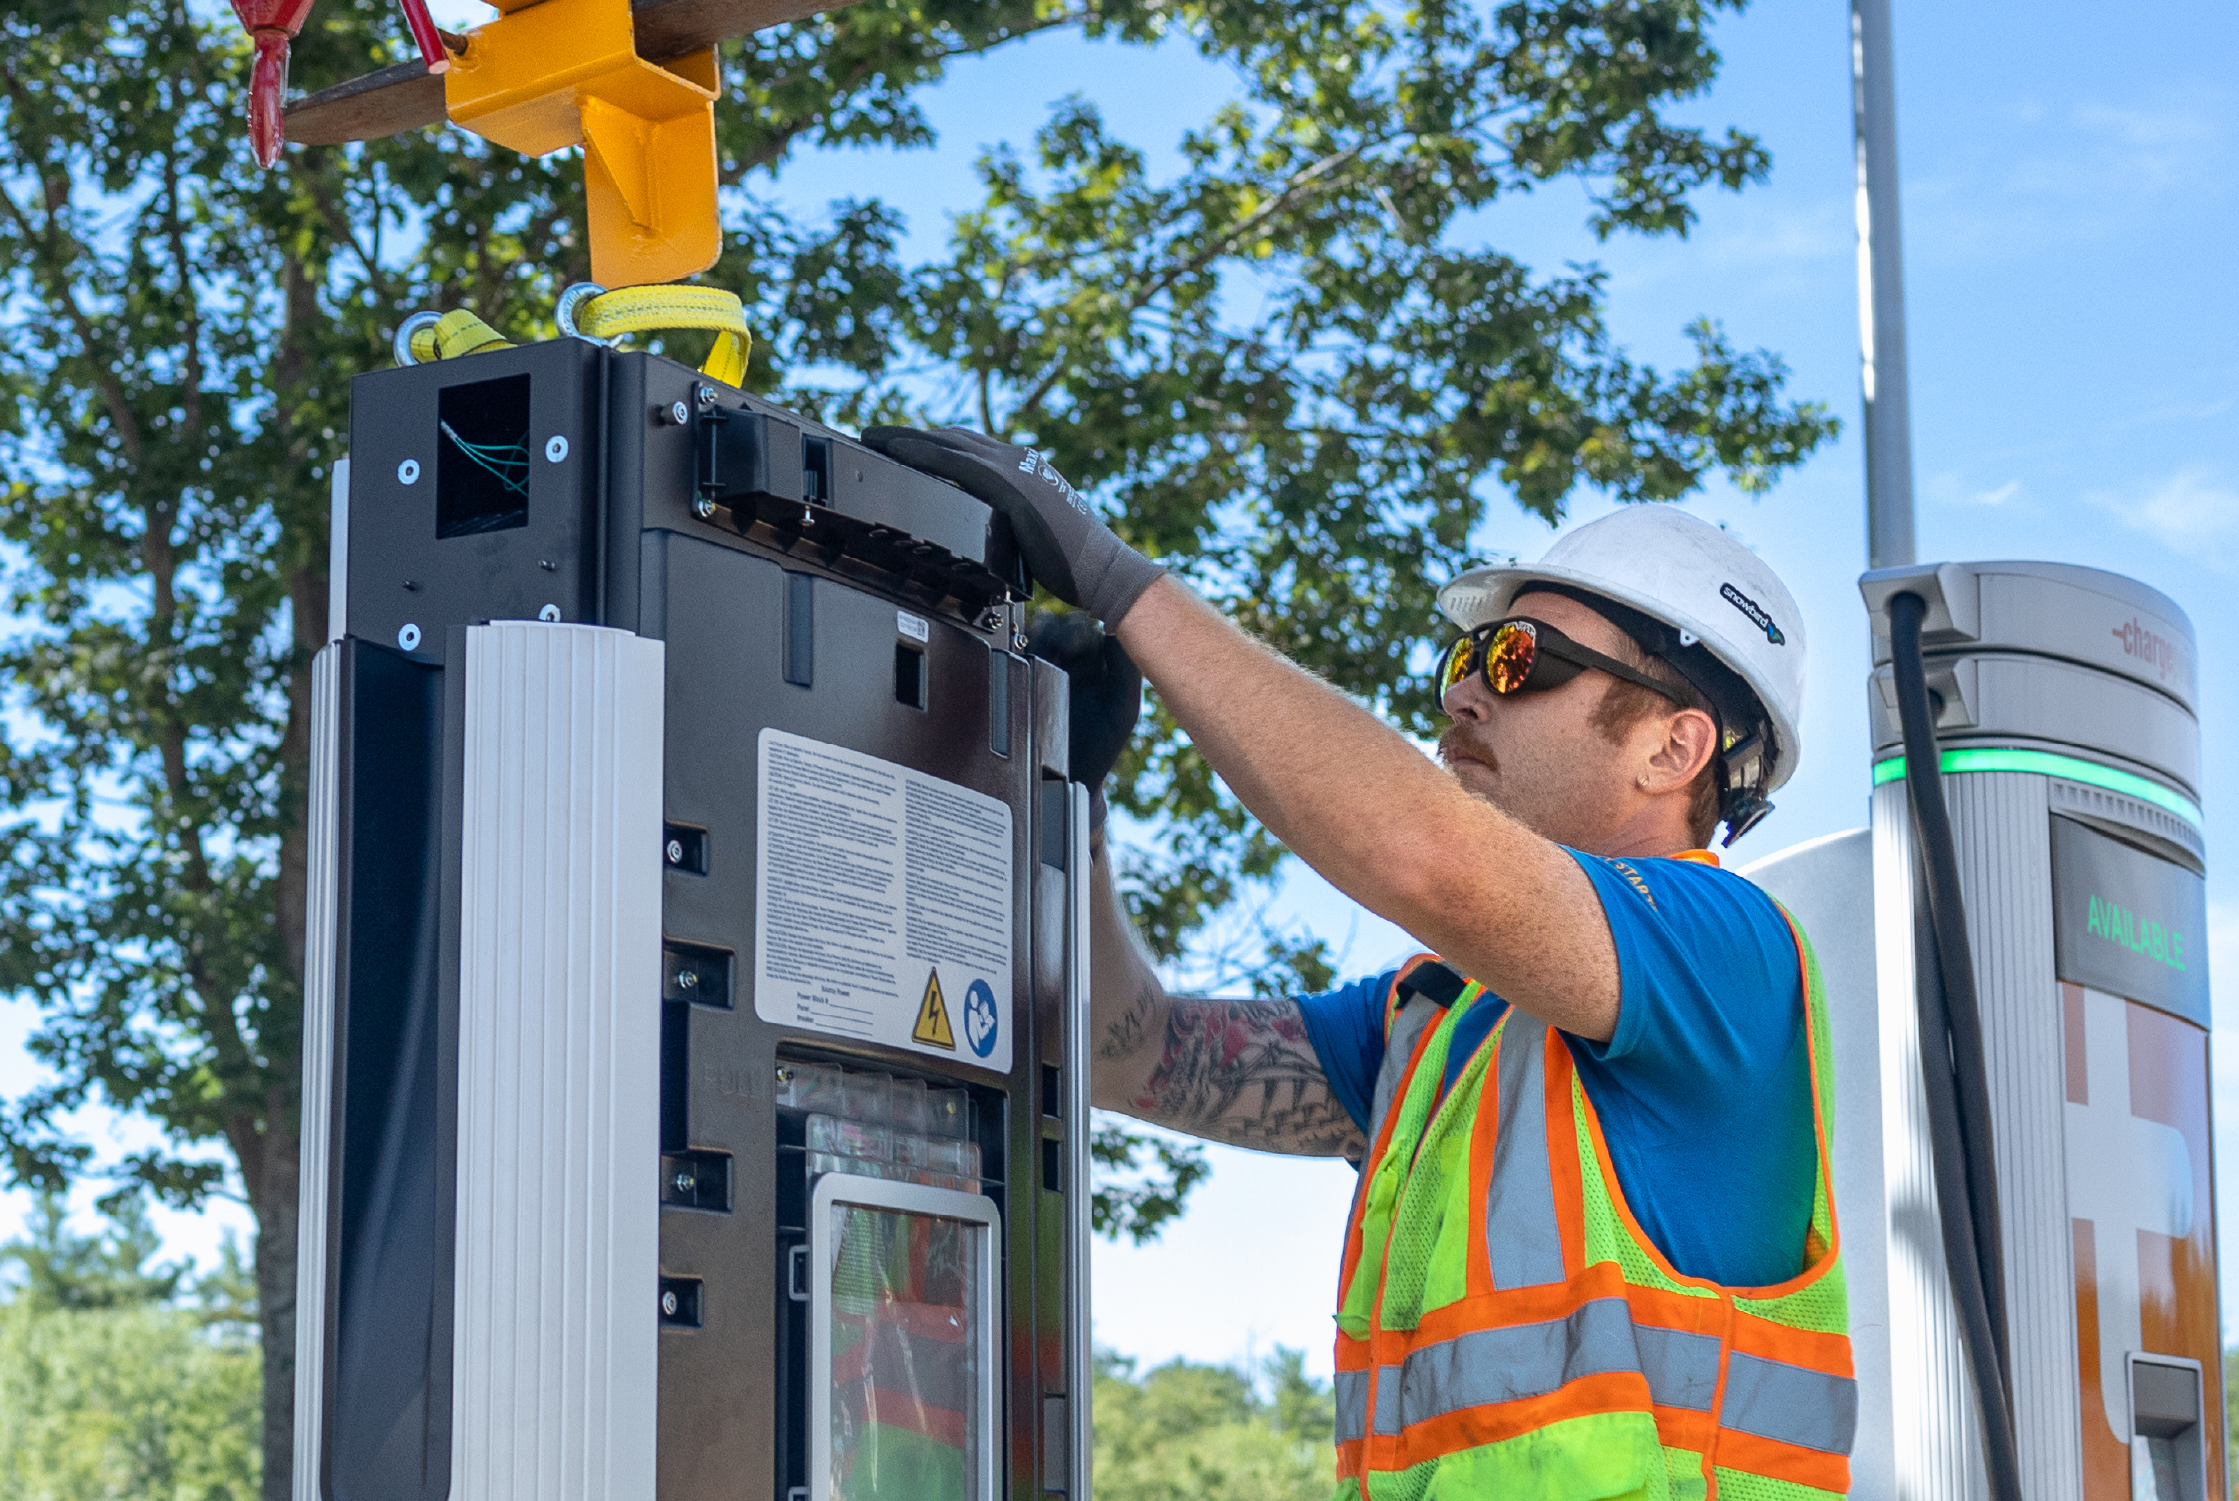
(1881, 290)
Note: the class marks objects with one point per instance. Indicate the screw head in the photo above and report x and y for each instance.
(678, 413)
(409, 638)
(555, 448)
(684, 1183)
(408, 472)
(550, 614)
(676, 852)
(670, 1304)
(704, 395)
(688, 979)
(703, 508)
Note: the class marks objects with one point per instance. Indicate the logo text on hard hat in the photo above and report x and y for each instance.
(1755, 611)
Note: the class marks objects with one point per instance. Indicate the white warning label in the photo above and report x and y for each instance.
(883, 906)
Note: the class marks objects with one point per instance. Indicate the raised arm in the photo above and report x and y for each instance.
(1240, 1072)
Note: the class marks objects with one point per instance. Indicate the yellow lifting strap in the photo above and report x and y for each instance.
(456, 333)
(637, 310)
(601, 315)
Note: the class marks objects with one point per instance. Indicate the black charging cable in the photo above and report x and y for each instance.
(1952, 1066)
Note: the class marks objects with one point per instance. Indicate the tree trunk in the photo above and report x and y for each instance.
(276, 1253)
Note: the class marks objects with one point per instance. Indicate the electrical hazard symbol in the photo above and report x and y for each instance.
(932, 1027)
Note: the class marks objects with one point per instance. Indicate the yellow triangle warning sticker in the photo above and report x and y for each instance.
(932, 1027)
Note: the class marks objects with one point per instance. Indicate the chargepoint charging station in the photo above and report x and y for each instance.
(695, 1100)
(2062, 702)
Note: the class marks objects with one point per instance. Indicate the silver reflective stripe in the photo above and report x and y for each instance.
(1682, 1367)
(1399, 1050)
(1789, 1404)
(1506, 1365)
(1351, 1390)
(1522, 1239)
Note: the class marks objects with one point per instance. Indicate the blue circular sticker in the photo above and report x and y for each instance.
(979, 1018)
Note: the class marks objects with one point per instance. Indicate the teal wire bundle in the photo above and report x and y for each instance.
(508, 463)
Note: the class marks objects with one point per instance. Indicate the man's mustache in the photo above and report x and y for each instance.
(1453, 747)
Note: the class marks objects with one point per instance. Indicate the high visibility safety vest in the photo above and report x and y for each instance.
(1507, 1330)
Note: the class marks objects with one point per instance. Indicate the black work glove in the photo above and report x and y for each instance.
(1106, 697)
(1070, 552)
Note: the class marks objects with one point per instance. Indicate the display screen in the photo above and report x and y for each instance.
(2128, 922)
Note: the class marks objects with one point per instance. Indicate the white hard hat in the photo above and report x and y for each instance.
(1689, 575)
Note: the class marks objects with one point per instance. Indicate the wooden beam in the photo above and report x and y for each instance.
(408, 97)
(389, 102)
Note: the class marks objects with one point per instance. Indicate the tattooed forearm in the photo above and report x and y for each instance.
(1243, 1072)
(1236, 1071)
(1125, 1033)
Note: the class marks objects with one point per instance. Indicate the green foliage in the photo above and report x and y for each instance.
(135, 1401)
(107, 1392)
(2231, 1417)
(1293, 369)
(61, 1269)
(1142, 1179)
(1185, 1432)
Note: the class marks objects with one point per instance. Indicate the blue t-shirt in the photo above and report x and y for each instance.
(1705, 1090)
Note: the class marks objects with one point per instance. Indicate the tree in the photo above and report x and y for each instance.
(104, 1390)
(1292, 371)
(1187, 1432)
(61, 1269)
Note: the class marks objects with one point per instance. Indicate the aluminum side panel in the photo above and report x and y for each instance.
(320, 955)
(554, 1357)
(1937, 1438)
(2002, 826)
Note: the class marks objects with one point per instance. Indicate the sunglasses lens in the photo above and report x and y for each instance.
(1510, 656)
(1455, 667)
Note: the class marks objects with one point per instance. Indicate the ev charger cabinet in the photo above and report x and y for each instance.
(2065, 701)
(695, 1099)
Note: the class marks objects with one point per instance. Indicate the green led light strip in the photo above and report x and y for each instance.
(2046, 764)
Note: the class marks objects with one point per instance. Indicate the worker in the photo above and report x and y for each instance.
(1592, 1252)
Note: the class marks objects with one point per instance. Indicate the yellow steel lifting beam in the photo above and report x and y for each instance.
(633, 82)
(552, 74)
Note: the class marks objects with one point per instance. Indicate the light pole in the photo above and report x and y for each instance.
(1881, 290)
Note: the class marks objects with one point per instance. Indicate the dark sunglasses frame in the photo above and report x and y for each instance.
(1555, 660)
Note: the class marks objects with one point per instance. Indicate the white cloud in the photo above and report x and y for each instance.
(1951, 488)
(2192, 513)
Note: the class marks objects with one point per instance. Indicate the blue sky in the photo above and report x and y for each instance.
(2070, 202)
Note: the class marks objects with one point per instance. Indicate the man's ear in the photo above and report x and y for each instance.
(1690, 739)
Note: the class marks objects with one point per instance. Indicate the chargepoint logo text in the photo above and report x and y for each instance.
(1755, 611)
(2155, 650)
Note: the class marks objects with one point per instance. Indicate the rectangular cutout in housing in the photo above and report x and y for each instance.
(482, 457)
(800, 630)
(693, 972)
(885, 1239)
(684, 847)
(1056, 1435)
(676, 1072)
(1053, 1166)
(680, 1302)
(909, 675)
(816, 469)
(999, 701)
(697, 1180)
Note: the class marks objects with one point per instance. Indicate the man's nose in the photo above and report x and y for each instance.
(1469, 699)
